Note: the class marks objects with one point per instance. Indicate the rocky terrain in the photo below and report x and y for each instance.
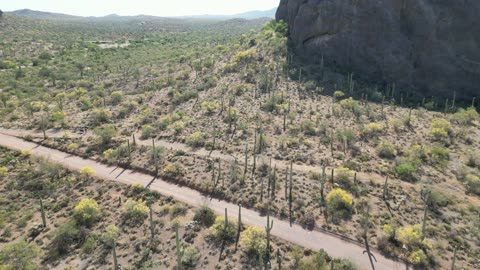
(431, 47)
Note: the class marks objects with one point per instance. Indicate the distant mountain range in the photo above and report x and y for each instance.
(49, 15)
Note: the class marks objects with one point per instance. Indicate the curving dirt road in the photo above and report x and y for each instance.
(309, 239)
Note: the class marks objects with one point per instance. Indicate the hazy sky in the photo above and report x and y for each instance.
(135, 7)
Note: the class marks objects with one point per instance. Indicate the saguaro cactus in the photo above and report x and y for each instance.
(114, 253)
(42, 210)
(180, 250)
(268, 229)
(239, 229)
(454, 258)
(152, 225)
(279, 259)
(290, 196)
(245, 162)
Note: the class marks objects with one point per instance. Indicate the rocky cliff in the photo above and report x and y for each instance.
(428, 46)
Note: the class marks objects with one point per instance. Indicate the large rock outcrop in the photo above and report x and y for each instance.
(429, 46)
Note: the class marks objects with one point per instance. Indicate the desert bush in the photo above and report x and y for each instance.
(351, 105)
(196, 139)
(472, 183)
(220, 233)
(18, 256)
(87, 172)
(465, 117)
(86, 212)
(135, 212)
(7, 65)
(386, 150)
(204, 215)
(178, 210)
(3, 171)
(372, 129)
(184, 96)
(343, 177)
(100, 116)
(105, 134)
(116, 97)
(439, 155)
(177, 127)
(418, 257)
(308, 128)
(307, 221)
(210, 106)
(253, 240)
(338, 95)
(190, 257)
(244, 57)
(339, 204)
(110, 235)
(440, 129)
(66, 236)
(147, 132)
(405, 170)
(173, 170)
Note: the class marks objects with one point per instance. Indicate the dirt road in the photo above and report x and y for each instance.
(309, 239)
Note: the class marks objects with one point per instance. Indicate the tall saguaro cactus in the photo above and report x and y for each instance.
(290, 196)
(180, 250)
(268, 229)
(152, 225)
(239, 229)
(42, 210)
(114, 254)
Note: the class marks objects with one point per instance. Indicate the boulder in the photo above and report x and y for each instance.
(431, 47)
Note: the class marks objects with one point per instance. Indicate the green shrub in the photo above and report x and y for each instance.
(386, 150)
(344, 177)
(65, 237)
(105, 134)
(439, 155)
(178, 210)
(339, 204)
(18, 255)
(406, 170)
(204, 215)
(86, 212)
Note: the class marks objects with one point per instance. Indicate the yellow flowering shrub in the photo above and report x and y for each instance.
(410, 236)
(135, 212)
(86, 212)
(244, 57)
(3, 171)
(253, 240)
(220, 233)
(440, 129)
(339, 203)
(418, 257)
(87, 172)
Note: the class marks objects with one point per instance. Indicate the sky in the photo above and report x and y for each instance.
(136, 7)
